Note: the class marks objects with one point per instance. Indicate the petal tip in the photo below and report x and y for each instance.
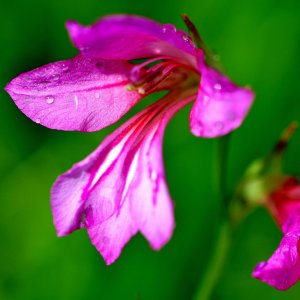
(71, 25)
(74, 29)
(10, 87)
(7, 88)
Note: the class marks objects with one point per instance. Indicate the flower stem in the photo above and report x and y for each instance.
(216, 264)
(224, 235)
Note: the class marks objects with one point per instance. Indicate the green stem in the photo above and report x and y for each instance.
(224, 235)
(216, 264)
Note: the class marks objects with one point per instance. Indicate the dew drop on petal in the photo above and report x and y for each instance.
(64, 67)
(153, 175)
(168, 28)
(55, 77)
(76, 101)
(83, 49)
(184, 36)
(260, 266)
(155, 183)
(97, 95)
(38, 121)
(49, 99)
(217, 86)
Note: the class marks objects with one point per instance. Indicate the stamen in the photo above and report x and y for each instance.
(148, 75)
(163, 75)
(136, 71)
(154, 83)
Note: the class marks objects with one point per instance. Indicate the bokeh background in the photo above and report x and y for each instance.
(259, 45)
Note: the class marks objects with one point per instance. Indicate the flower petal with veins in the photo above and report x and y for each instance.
(221, 106)
(78, 94)
(127, 37)
(118, 194)
(120, 188)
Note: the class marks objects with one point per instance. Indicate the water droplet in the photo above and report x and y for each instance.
(153, 175)
(38, 121)
(217, 86)
(55, 77)
(260, 266)
(219, 125)
(184, 36)
(76, 101)
(206, 100)
(97, 95)
(83, 49)
(64, 67)
(155, 183)
(168, 28)
(105, 240)
(49, 99)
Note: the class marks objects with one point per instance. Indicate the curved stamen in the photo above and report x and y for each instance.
(157, 77)
(137, 70)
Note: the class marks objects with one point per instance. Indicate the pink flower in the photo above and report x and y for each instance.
(282, 270)
(120, 188)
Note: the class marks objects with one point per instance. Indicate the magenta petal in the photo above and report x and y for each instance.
(77, 196)
(221, 106)
(142, 201)
(128, 37)
(110, 236)
(77, 94)
(67, 201)
(282, 270)
(151, 204)
(120, 188)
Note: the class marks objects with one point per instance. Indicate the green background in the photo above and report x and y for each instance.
(259, 45)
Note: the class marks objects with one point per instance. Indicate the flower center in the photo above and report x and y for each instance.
(162, 73)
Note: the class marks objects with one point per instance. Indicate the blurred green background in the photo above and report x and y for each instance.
(259, 45)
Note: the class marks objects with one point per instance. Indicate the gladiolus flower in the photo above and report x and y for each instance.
(120, 188)
(282, 270)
